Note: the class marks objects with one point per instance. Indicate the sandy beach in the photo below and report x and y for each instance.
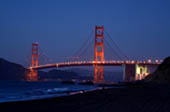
(131, 99)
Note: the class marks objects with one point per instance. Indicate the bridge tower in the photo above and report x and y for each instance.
(98, 54)
(33, 74)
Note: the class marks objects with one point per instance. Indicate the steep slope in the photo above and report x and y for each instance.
(162, 74)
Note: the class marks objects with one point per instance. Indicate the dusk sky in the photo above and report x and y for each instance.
(141, 28)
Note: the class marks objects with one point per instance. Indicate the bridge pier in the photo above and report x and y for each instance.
(129, 72)
(132, 72)
(141, 71)
(32, 75)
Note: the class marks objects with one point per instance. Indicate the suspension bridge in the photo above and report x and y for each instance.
(132, 70)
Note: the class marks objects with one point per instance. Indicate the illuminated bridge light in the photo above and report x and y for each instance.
(149, 61)
(156, 61)
(144, 62)
(132, 62)
(127, 62)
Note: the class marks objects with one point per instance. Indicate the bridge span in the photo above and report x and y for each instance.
(92, 63)
(132, 70)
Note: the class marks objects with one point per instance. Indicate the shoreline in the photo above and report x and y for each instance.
(105, 100)
(52, 95)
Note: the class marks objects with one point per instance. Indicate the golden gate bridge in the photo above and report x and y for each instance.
(132, 70)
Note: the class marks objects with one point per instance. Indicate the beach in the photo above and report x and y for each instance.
(128, 99)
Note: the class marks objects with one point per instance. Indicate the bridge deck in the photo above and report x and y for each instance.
(90, 63)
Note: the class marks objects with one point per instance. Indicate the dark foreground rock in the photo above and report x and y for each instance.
(109, 100)
(162, 74)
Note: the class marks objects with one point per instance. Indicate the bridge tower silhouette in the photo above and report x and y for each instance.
(33, 74)
(99, 54)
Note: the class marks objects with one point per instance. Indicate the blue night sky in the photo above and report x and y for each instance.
(141, 28)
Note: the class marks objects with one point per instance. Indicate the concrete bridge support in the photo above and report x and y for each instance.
(129, 71)
(32, 75)
(141, 72)
(132, 72)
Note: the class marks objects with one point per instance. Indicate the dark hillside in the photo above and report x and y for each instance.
(11, 71)
(162, 74)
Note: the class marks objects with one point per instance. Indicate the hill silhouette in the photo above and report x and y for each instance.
(13, 71)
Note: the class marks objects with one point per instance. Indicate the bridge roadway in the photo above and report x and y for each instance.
(91, 63)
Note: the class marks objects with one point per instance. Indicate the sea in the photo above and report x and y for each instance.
(11, 91)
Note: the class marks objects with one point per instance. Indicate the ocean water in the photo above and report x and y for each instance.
(21, 90)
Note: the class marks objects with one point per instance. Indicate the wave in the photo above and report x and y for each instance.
(39, 92)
